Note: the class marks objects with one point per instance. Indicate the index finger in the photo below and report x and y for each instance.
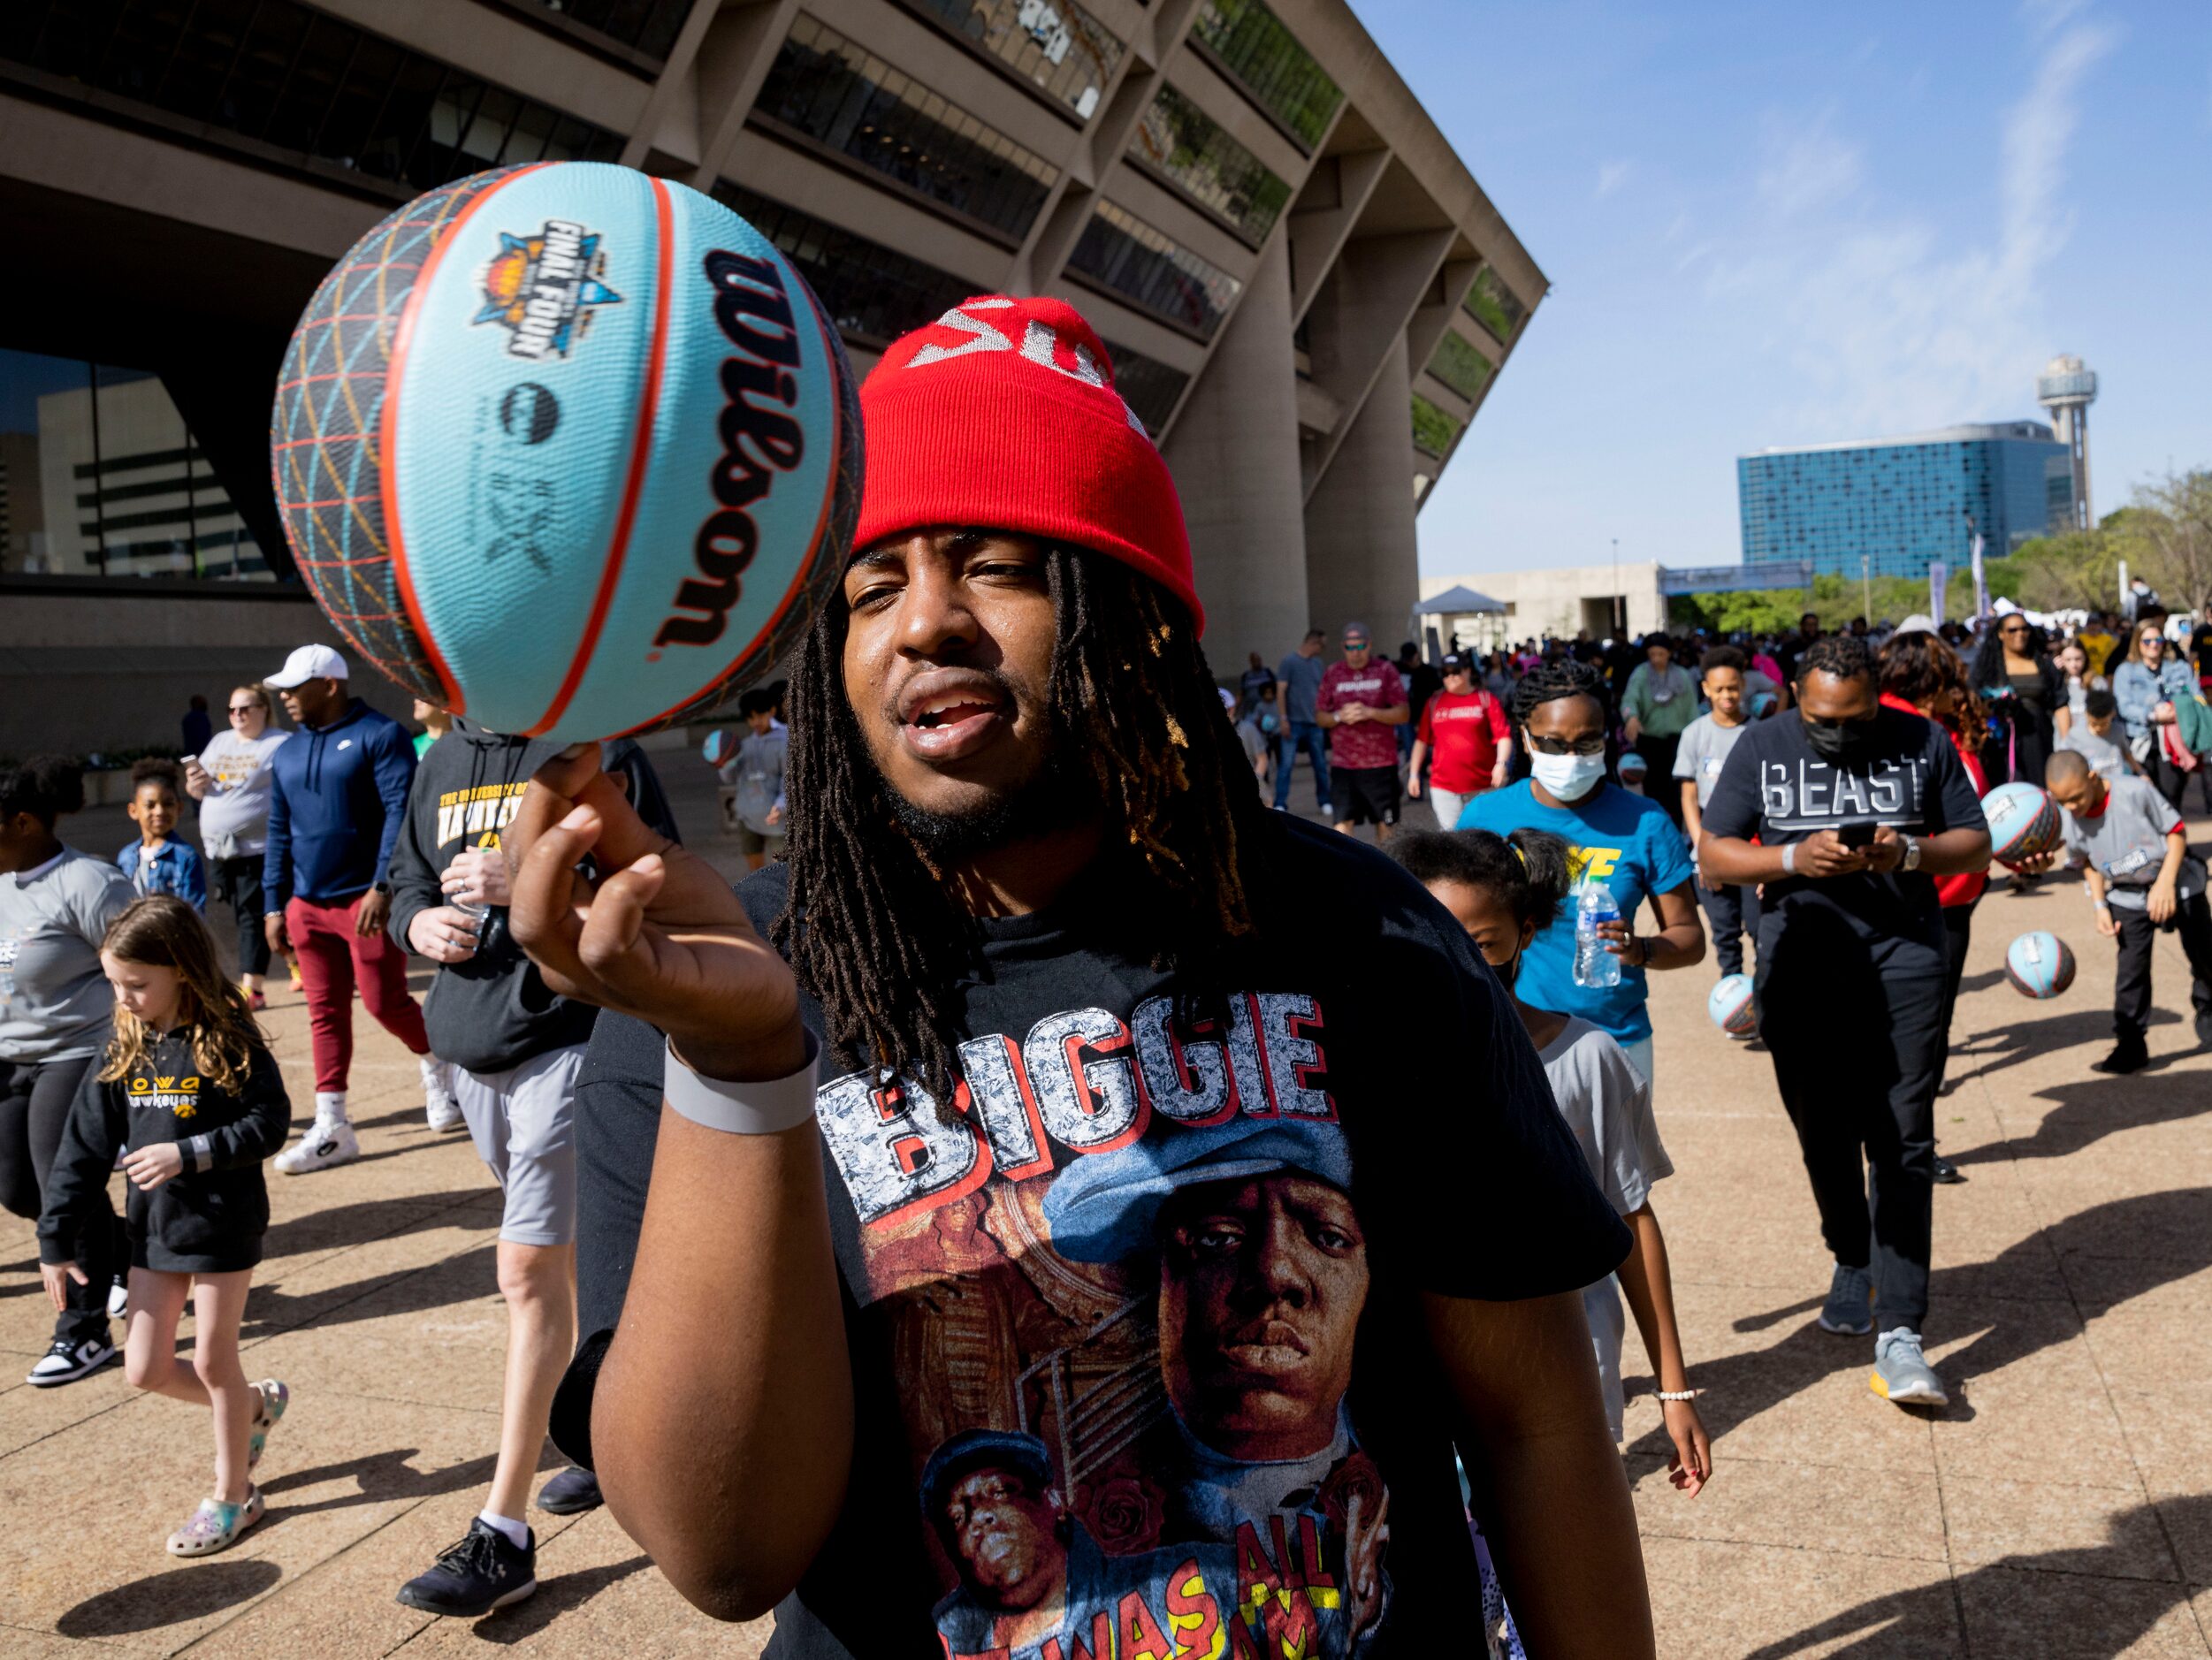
(573, 779)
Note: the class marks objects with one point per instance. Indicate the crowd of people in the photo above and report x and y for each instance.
(1053, 1203)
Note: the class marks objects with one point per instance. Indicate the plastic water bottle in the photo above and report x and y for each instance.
(1595, 966)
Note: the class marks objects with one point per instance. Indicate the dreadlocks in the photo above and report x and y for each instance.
(870, 928)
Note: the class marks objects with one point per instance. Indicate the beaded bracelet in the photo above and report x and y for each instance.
(1677, 1395)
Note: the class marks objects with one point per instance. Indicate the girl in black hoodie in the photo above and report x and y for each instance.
(190, 1094)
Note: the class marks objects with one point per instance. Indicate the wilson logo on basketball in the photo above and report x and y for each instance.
(759, 439)
(542, 288)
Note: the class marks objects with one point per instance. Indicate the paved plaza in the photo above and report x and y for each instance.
(2062, 1506)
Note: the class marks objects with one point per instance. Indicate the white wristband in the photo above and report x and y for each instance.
(1789, 860)
(764, 1107)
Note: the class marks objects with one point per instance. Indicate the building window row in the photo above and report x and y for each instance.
(1192, 151)
(1494, 305)
(1433, 431)
(1056, 45)
(1460, 366)
(1266, 60)
(102, 477)
(298, 82)
(1123, 253)
(873, 293)
(1149, 387)
(847, 99)
(648, 26)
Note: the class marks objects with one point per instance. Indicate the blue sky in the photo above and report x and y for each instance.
(1771, 225)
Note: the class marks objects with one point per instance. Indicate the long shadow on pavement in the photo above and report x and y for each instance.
(378, 1476)
(371, 1219)
(554, 1598)
(2019, 1041)
(270, 1309)
(2089, 1111)
(169, 1599)
(1739, 1387)
(1898, 1625)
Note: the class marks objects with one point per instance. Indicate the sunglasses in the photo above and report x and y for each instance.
(244, 709)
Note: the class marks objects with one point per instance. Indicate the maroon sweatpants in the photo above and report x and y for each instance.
(333, 960)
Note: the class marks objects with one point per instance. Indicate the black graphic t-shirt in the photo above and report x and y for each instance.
(1136, 1336)
(1775, 786)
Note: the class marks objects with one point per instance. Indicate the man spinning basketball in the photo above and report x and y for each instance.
(1035, 923)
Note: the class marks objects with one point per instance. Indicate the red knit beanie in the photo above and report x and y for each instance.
(1002, 414)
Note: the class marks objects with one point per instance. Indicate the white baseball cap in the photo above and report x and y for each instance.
(309, 662)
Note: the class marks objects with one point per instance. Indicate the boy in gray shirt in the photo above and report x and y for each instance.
(2142, 878)
(2090, 737)
(757, 773)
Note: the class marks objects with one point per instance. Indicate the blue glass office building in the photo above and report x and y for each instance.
(1903, 502)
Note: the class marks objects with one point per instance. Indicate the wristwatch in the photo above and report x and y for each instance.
(1912, 860)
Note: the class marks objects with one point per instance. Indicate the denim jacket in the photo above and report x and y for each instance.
(176, 869)
(2138, 693)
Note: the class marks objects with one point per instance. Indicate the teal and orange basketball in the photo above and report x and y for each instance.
(567, 449)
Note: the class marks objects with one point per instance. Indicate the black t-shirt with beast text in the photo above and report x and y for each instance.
(1776, 786)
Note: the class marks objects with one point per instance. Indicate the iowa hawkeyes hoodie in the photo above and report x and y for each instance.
(493, 1010)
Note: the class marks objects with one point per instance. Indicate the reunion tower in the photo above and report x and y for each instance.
(2067, 387)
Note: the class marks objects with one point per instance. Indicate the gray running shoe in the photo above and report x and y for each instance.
(1849, 1307)
(1902, 1375)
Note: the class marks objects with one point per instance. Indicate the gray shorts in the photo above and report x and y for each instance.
(523, 1121)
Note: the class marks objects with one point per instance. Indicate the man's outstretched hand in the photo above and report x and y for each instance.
(660, 936)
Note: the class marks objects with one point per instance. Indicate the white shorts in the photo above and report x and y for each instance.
(523, 1121)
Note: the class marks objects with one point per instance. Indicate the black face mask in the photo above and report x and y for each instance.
(1848, 744)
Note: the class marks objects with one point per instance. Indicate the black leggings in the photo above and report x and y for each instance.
(238, 885)
(34, 1101)
(1958, 933)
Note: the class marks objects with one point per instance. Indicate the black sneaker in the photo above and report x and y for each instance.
(571, 1492)
(482, 1572)
(2124, 1058)
(70, 1358)
(1850, 1309)
(1946, 1174)
(2204, 1027)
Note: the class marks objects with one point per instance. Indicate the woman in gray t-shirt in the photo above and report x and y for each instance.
(55, 1011)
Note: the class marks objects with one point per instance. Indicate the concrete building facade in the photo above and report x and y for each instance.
(1563, 601)
(1307, 294)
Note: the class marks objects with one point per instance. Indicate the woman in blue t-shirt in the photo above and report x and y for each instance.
(1619, 838)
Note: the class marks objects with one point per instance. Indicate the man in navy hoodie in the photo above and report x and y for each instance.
(337, 801)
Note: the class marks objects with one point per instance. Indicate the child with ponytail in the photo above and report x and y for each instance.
(1504, 891)
(189, 1093)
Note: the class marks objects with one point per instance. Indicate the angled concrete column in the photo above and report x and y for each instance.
(1362, 560)
(1235, 454)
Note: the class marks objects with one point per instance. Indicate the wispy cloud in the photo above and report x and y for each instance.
(1807, 167)
(1890, 323)
(1611, 177)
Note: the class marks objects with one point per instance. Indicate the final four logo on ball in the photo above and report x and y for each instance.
(543, 288)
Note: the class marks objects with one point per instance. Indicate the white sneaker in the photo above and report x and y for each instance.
(437, 1095)
(118, 1299)
(320, 1145)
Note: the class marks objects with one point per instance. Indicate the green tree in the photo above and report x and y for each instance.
(2165, 536)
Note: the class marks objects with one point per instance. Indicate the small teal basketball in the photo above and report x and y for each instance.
(1732, 1007)
(2024, 821)
(1633, 767)
(567, 449)
(2039, 965)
